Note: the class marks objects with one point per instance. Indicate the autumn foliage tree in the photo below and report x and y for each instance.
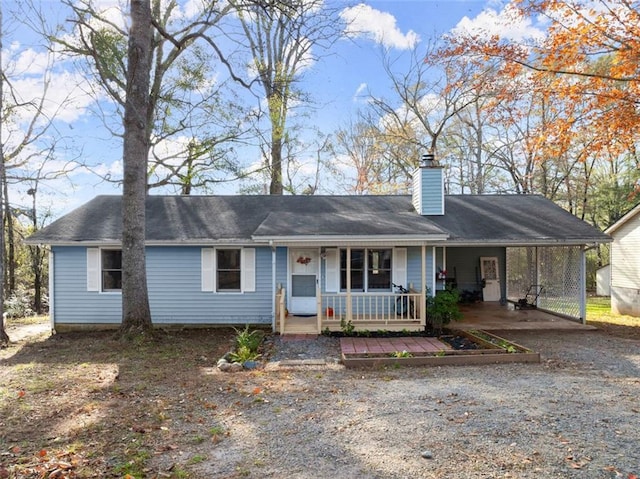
(589, 57)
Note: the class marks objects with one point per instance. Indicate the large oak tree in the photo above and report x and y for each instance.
(136, 314)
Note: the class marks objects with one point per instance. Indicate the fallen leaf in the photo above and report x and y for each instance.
(257, 390)
(21, 394)
(15, 449)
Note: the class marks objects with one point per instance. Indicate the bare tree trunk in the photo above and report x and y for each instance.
(275, 187)
(136, 314)
(36, 254)
(10, 263)
(4, 337)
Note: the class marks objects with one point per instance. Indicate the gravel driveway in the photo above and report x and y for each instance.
(574, 415)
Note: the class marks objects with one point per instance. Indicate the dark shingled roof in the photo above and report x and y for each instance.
(513, 219)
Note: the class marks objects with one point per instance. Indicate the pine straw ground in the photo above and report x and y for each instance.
(85, 405)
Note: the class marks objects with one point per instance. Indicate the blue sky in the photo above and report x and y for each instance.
(338, 83)
(344, 80)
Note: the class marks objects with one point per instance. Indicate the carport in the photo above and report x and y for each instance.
(492, 316)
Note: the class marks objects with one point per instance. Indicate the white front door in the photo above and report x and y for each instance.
(491, 278)
(305, 267)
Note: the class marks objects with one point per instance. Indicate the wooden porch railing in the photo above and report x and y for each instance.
(364, 310)
(375, 308)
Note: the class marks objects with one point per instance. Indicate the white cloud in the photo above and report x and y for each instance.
(193, 8)
(113, 170)
(65, 100)
(189, 9)
(507, 24)
(362, 88)
(114, 12)
(28, 62)
(365, 21)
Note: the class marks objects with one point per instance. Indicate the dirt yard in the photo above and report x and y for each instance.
(86, 405)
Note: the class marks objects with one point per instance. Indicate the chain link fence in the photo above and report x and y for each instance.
(557, 269)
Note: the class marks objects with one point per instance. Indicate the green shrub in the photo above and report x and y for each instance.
(243, 354)
(18, 305)
(347, 326)
(248, 339)
(443, 308)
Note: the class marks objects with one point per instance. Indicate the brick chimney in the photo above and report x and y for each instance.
(428, 187)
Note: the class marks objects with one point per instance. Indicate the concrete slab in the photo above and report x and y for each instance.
(491, 316)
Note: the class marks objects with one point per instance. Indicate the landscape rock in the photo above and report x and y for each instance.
(250, 364)
(235, 367)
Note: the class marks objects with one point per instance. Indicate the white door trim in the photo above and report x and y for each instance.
(491, 278)
(303, 262)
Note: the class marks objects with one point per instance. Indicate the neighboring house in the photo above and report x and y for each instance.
(625, 263)
(286, 261)
(603, 281)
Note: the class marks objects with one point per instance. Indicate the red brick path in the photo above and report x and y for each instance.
(391, 345)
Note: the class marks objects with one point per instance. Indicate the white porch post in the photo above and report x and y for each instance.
(349, 305)
(444, 265)
(432, 280)
(423, 295)
(583, 285)
(319, 308)
(274, 292)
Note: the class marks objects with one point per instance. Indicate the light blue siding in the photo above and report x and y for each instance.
(175, 296)
(72, 302)
(414, 268)
(428, 191)
(465, 264)
(282, 267)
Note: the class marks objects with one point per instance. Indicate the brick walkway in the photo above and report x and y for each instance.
(415, 344)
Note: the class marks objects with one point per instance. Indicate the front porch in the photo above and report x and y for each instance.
(360, 311)
(488, 316)
(316, 292)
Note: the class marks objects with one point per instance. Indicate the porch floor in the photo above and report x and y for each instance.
(492, 316)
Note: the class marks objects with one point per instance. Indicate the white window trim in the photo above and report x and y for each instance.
(209, 269)
(94, 270)
(398, 269)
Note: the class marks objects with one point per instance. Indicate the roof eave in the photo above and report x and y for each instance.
(622, 221)
(528, 242)
(351, 239)
(186, 242)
